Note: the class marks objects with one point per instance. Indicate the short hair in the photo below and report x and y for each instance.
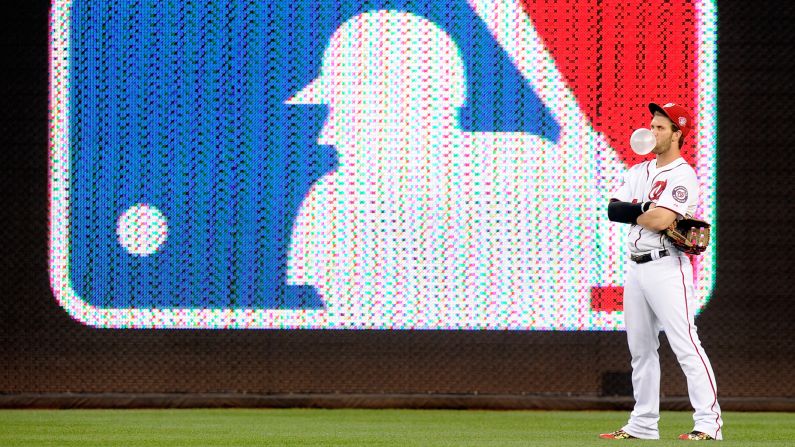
(675, 128)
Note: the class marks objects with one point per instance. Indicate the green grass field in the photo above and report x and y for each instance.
(308, 427)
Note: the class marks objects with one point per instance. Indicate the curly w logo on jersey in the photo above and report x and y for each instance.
(657, 190)
(383, 164)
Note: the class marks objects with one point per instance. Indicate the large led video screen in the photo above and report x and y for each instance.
(361, 165)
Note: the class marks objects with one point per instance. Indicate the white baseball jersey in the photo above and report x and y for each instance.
(674, 187)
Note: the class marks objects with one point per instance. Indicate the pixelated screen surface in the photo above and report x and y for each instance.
(363, 165)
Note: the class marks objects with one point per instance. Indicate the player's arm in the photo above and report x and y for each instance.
(657, 218)
(626, 212)
(674, 201)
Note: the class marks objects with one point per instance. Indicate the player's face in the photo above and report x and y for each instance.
(662, 127)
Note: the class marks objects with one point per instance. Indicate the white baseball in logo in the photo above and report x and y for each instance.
(142, 229)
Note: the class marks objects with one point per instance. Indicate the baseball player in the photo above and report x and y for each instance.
(658, 291)
(426, 225)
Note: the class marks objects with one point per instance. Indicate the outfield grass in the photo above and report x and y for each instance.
(403, 428)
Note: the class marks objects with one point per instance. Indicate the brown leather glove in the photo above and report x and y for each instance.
(689, 235)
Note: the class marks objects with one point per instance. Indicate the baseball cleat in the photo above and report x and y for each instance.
(696, 436)
(618, 434)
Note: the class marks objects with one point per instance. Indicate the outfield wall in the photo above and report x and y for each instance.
(48, 357)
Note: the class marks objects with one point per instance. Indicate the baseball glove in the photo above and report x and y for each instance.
(689, 235)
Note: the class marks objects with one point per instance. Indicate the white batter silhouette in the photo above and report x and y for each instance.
(424, 225)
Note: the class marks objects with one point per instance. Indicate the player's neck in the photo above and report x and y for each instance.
(668, 157)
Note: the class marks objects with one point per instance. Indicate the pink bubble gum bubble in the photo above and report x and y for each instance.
(642, 141)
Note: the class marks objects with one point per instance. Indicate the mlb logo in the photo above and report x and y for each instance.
(386, 165)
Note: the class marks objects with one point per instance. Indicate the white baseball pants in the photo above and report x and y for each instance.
(659, 295)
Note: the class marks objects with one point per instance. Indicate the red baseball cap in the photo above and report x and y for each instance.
(676, 113)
